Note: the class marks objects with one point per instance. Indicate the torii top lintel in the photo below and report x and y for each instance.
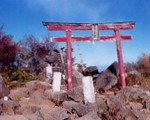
(58, 26)
(88, 26)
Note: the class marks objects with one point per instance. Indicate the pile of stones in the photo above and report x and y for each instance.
(37, 101)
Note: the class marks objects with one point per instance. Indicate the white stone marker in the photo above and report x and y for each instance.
(88, 89)
(56, 81)
(49, 71)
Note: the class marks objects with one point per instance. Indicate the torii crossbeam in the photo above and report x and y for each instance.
(95, 28)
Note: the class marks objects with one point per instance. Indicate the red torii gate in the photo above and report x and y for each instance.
(95, 27)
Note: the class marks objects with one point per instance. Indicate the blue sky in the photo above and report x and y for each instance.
(24, 17)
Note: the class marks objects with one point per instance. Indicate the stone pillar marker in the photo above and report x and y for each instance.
(56, 81)
(88, 89)
(48, 72)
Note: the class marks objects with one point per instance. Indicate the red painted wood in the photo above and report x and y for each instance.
(57, 26)
(105, 38)
(120, 58)
(82, 26)
(69, 59)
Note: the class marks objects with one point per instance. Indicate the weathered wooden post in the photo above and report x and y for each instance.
(120, 58)
(94, 27)
(69, 59)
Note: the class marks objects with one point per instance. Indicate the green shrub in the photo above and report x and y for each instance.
(14, 77)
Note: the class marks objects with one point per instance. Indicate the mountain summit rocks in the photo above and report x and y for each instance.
(37, 101)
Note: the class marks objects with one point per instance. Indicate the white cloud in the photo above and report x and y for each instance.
(74, 10)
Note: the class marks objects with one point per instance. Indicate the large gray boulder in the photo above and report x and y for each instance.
(105, 80)
(4, 91)
(77, 78)
(114, 68)
(76, 94)
(91, 71)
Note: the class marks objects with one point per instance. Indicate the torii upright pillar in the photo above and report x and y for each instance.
(120, 58)
(69, 59)
(95, 27)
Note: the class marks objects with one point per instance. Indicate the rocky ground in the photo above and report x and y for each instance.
(37, 101)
